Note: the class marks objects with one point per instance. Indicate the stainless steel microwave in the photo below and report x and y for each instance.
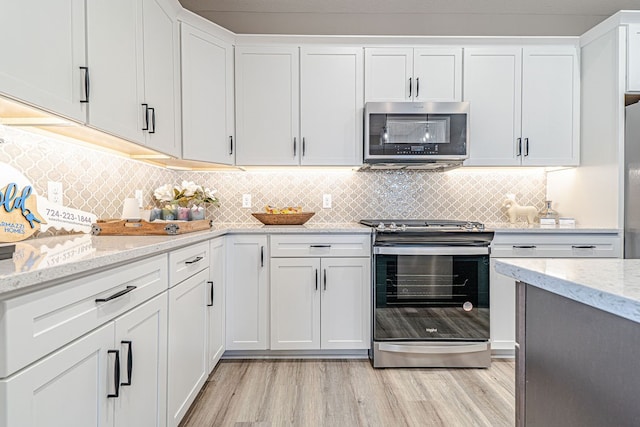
(398, 133)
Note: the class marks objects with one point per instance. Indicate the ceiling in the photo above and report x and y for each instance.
(409, 17)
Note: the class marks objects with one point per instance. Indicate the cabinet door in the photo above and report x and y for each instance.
(161, 40)
(42, 64)
(267, 106)
(331, 105)
(115, 67)
(550, 106)
(215, 312)
(187, 363)
(295, 303)
(492, 86)
(247, 293)
(67, 388)
(346, 303)
(633, 58)
(503, 311)
(387, 74)
(207, 97)
(438, 74)
(141, 336)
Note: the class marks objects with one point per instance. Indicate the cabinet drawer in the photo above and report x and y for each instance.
(36, 324)
(185, 262)
(314, 245)
(581, 250)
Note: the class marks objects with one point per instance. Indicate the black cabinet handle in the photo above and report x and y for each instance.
(153, 120)
(526, 147)
(519, 149)
(325, 279)
(86, 85)
(316, 279)
(319, 246)
(117, 294)
(409, 87)
(524, 246)
(193, 261)
(146, 116)
(304, 147)
(261, 256)
(230, 145)
(116, 373)
(417, 87)
(129, 362)
(295, 146)
(583, 246)
(211, 303)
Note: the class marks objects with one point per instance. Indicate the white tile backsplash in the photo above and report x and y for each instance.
(98, 182)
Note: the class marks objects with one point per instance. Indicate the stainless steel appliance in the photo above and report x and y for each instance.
(418, 135)
(632, 181)
(430, 293)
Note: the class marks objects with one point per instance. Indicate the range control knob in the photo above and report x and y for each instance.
(393, 226)
(381, 226)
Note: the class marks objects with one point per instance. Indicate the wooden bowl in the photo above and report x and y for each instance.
(283, 219)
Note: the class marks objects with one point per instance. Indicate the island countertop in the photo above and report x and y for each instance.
(611, 285)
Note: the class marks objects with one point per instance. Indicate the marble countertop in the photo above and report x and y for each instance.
(611, 285)
(51, 259)
(523, 227)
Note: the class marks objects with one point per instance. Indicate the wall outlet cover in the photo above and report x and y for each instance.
(246, 200)
(326, 201)
(54, 192)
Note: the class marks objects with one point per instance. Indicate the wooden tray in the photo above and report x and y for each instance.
(283, 219)
(144, 228)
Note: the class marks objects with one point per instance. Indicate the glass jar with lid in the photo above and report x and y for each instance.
(548, 212)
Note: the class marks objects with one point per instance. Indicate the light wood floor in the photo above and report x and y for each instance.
(348, 393)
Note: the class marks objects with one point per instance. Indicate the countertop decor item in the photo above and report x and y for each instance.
(283, 219)
(144, 228)
(548, 212)
(514, 210)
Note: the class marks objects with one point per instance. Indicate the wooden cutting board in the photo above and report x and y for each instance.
(143, 228)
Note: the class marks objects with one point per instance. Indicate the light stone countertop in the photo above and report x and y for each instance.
(611, 285)
(51, 260)
(523, 227)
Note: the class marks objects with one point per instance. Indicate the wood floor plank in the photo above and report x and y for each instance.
(352, 393)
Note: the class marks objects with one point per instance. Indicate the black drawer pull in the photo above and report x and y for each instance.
(524, 246)
(325, 279)
(211, 303)
(117, 294)
(86, 85)
(316, 279)
(129, 362)
(319, 246)
(146, 116)
(583, 246)
(231, 145)
(116, 373)
(193, 261)
(261, 256)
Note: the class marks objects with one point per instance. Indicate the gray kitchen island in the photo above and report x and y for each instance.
(578, 341)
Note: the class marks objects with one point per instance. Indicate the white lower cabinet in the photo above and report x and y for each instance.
(247, 293)
(553, 244)
(187, 347)
(320, 303)
(82, 384)
(215, 304)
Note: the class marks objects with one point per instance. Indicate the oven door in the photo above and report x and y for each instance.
(431, 293)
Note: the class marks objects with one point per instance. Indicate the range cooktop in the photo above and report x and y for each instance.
(422, 225)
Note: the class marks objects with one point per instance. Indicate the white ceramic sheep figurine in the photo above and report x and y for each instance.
(514, 210)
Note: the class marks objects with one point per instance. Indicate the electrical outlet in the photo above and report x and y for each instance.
(54, 192)
(326, 201)
(138, 195)
(246, 200)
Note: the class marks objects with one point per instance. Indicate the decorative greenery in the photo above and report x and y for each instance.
(189, 193)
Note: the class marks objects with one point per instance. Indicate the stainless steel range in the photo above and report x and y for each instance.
(430, 293)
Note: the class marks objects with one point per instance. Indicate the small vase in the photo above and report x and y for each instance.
(169, 213)
(156, 213)
(183, 213)
(197, 212)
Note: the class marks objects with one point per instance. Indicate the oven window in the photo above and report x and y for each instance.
(431, 297)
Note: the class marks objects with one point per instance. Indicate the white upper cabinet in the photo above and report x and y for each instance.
(207, 97)
(299, 108)
(133, 72)
(633, 58)
(524, 105)
(42, 52)
(267, 93)
(331, 105)
(413, 74)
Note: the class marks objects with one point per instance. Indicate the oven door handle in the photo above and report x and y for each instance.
(433, 349)
(430, 250)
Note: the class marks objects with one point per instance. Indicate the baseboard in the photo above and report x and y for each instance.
(295, 354)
